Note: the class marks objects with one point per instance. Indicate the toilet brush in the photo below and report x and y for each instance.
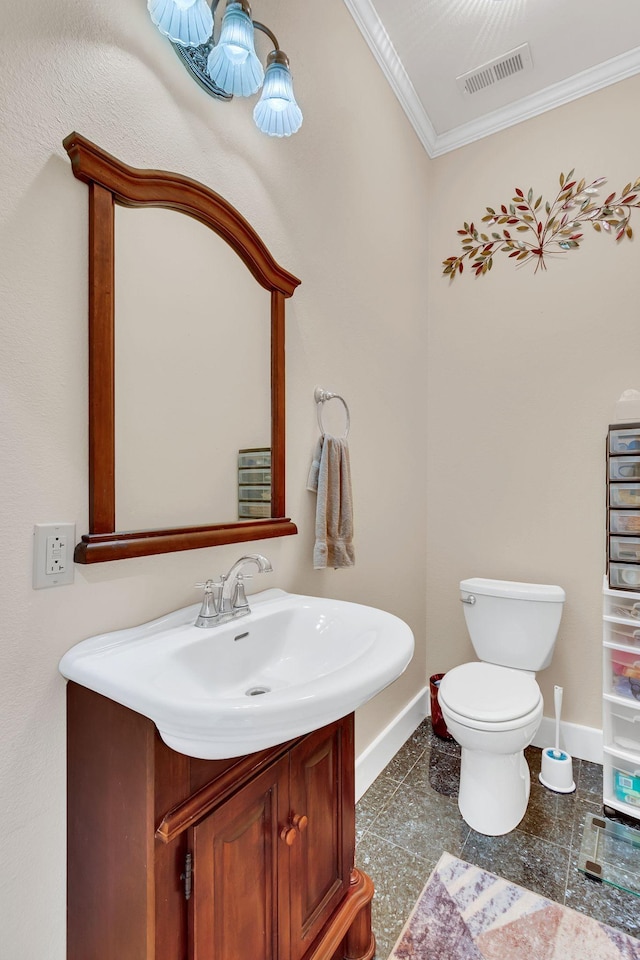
(556, 771)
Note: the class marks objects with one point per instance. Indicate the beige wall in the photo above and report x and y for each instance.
(509, 389)
(523, 374)
(343, 205)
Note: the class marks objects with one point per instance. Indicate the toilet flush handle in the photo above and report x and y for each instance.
(470, 599)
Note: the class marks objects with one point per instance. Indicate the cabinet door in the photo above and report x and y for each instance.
(241, 876)
(322, 856)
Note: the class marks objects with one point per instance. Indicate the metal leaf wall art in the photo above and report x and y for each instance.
(528, 230)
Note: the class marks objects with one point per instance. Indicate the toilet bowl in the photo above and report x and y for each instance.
(493, 732)
(493, 707)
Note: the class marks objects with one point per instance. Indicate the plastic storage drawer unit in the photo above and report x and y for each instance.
(624, 468)
(624, 441)
(622, 726)
(626, 549)
(626, 782)
(622, 607)
(255, 493)
(624, 576)
(624, 521)
(255, 476)
(622, 672)
(625, 635)
(624, 495)
(261, 457)
(254, 511)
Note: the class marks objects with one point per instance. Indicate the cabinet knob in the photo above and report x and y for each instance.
(296, 825)
(288, 834)
(300, 822)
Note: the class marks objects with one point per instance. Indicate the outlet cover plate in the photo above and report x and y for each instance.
(53, 546)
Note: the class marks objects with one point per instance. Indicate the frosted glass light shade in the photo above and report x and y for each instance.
(232, 64)
(276, 112)
(188, 22)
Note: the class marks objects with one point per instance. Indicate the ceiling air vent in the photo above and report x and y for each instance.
(502, 68)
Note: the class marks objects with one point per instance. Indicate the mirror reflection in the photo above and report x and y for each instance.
(192, 347)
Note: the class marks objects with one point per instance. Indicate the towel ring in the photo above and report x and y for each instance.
(321, 396)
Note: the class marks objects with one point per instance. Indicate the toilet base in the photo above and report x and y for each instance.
(494, 790)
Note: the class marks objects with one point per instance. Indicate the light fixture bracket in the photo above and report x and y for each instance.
(195, 61)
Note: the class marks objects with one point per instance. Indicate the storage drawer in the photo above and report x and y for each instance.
(622, 673)
(617, 605)
(625, 781)
(626, 549)
(624, 634)
(622, 726)
(263, 493)
(261, 457)
(624, 521)
(254, 476)
(624, 495)
(625, 576)
(254, 511)
(624, 468)
(622, 441)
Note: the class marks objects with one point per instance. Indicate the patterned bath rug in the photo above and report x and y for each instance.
(465, 913)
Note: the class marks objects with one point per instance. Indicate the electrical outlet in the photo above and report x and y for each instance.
(53, 545)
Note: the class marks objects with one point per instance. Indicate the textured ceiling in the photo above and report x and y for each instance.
(577, 46)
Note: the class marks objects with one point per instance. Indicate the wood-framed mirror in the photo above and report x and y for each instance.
(114, 184)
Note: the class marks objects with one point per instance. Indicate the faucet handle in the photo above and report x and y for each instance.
(210, 604)
(209, 585)
(240, 601)
(211, 599)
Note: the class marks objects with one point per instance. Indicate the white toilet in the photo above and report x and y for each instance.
(493, 708)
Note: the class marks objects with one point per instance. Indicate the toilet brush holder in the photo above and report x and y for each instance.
(556, 771)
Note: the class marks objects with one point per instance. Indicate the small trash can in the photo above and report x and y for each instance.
(437, 720)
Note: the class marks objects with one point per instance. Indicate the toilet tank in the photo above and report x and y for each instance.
(512, 624)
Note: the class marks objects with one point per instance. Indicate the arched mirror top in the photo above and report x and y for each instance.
(112, 183)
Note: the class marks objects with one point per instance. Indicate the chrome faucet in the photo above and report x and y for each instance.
(225, 599)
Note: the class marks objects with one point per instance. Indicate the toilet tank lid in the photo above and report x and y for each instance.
(514, 589)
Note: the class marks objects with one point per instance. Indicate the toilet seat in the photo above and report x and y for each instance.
(486, 695)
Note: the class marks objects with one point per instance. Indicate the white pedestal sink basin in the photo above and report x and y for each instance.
(291, 666)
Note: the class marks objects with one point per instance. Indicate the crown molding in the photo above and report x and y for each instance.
(588, 81)
(580, 85)
(377, 38)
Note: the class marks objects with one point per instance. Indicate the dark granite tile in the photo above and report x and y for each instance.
(431, 738)
(526, 860)
(533, 756)
(448, 743)
(583, 807)
(423, 823)
(398, 878)
(444, 769)
(437, 771)
(549, 815)
(409, 816)
(589, 779)
(411, 750)
(599, 900)
(371, 803)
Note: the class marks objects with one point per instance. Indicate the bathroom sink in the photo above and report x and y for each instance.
(292, 665)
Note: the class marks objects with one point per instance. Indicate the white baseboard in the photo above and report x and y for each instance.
(583, 742)
(380, 751)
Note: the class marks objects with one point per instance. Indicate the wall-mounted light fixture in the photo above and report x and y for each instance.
(229, 66)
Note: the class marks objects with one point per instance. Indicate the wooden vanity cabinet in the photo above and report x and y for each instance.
(173, 858)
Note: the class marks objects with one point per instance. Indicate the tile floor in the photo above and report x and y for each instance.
(409, 816)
